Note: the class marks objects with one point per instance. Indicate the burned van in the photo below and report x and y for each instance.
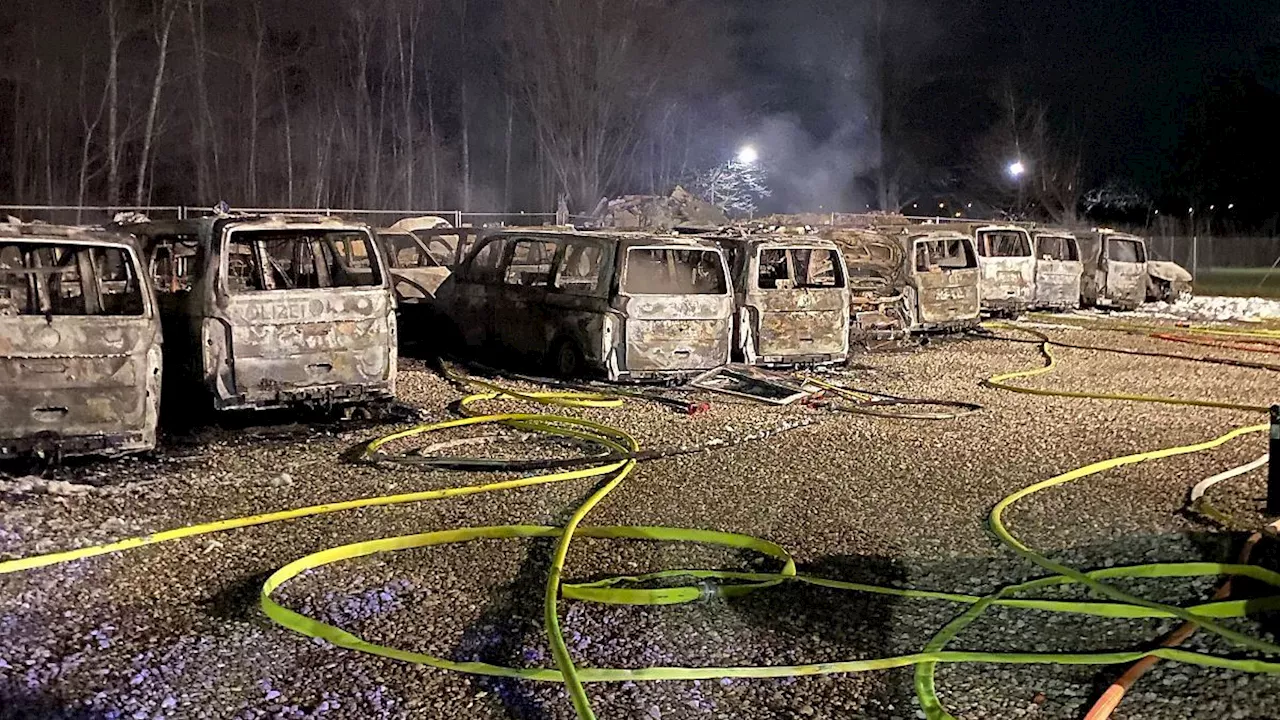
(941, 283)
(875, 275)
(791, 300)
(274, 311)
(416, 272)
(1008, 268)
(629, 306)
(80, 343)
(1058, 270)
(1115, 269)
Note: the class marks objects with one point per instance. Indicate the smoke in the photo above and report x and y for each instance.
(827, 77)
(807, 173)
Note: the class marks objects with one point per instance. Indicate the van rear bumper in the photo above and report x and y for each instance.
(801, 360)
(320, 395)
(51, 443)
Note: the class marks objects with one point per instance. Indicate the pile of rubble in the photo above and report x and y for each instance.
(656, 212)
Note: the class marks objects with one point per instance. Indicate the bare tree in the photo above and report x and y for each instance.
(586, 69)
(1027, 167)
(115, 38)
(167, 10)
(88, 128)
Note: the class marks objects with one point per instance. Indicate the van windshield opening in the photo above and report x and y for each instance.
(68, 279)
(1004, 243)
(1128, 251)
(1049, 247)
(674, 271)
(950, 254)
(298, 259)
(404, 251)
(807, 268)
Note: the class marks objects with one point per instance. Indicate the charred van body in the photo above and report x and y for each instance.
(626, 305)
(274, 311)
(80, 343)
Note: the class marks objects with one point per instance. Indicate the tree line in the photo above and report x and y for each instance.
(471, 104)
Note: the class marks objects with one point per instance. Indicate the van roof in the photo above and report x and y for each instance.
(77, 233)
(939, 235)
(620, 237)
(782, 241)
(1001, 228)
(194, 225)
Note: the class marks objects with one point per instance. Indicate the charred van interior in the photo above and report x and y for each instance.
(667, 271)
(265, 260)
(68, 279)
(944, 254)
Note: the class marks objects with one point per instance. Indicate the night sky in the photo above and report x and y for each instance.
(1123, 76)
(1174, 99)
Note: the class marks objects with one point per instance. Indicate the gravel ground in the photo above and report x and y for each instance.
(173, 631)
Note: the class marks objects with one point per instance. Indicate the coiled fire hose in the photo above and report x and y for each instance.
(625, 590)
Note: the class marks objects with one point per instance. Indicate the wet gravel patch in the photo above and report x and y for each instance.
(173, 631)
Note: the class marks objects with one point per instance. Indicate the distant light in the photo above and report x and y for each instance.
(1017, 169)
(941, 205)
(1191, 211)
(1157, 212)
(970, 204)
(747, 155)
(957, 214)
(1231, 206)
(915, 205)
(1213, 207)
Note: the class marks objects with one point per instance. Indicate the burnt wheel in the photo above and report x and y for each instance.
(565, 359)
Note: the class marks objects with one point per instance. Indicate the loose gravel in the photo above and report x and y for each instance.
(173, 631)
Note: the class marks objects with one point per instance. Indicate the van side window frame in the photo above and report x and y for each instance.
(566, 245)
(508, 257)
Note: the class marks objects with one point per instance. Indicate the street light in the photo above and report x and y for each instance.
(1017, 169)
(747, 155)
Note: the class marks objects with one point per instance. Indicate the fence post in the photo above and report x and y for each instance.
(1273, 464)
(1195, 256)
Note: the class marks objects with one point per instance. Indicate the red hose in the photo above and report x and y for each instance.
(1107, 703)
(1263, 346)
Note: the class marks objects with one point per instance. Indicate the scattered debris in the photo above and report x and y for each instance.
(751, 383)
(35, 485)
(1214, 309)
(655, 212)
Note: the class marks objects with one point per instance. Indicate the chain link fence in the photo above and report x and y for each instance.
(99, 215)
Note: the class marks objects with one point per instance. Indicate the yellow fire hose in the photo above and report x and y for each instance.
(623, 590)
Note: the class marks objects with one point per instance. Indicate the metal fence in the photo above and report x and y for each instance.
(1199, 252)
(97, 215)
(1192, 252)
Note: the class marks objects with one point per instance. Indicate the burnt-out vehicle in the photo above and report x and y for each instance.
(80, 343)
(791, 300)
(629, 306)
(1008, 268)
(416, 272)
(1167, 281)
(1115, 269)
(941, 291)
(273, 311)
(446, 245)
(1058, 270)
(876, 279)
